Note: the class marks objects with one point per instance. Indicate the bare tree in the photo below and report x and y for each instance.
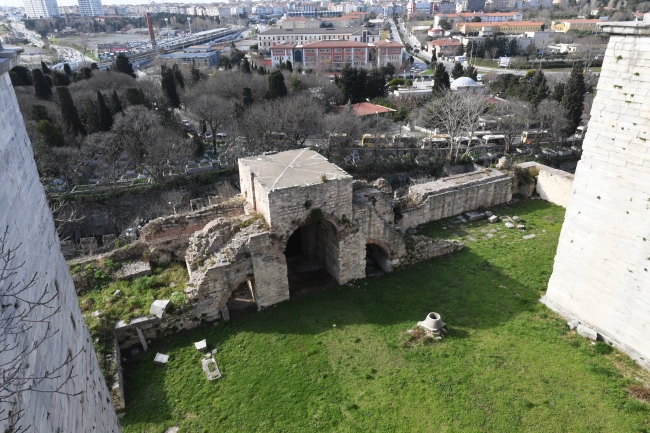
(214, 112)
(513, 118)
(25, 325)
(552, 117)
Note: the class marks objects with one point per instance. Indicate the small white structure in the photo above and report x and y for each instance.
(210, 368)
(201, 345)
(433, 323)
(158, 307)
(466, 84)
(161, 358)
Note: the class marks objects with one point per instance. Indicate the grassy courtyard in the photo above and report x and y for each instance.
(340, 360)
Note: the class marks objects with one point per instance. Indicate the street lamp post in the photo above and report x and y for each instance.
(189, 22)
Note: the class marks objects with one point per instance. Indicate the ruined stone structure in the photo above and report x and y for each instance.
(25, 215)
(601, 275)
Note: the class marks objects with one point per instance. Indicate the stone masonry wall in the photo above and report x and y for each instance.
(601, 273)
(552, 185)
(466, 192)
(26, 215)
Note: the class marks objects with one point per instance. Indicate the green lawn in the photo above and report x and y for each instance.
(340, 360)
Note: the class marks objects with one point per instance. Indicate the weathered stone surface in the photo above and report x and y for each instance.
(474, 216)
(201, 345)
(24, 211)
(587, 332)
(210, 368)
(158, 307)
(493, 219)
(600, 275)
(573, 324)
(530, 236)
(161, 358)
(134, 270)
(510, 225)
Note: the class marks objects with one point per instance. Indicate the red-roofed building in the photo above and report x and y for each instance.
(363, 109)
(444, 47)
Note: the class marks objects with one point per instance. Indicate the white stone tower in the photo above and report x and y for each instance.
(601, 274)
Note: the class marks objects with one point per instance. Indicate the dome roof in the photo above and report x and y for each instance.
(464, 82)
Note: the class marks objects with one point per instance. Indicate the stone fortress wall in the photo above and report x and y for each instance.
(552, 185)
(601, 275)
(26, 215)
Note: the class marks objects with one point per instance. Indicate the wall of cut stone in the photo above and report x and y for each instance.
(552, 185)
(601, 272)
(25, 214)
(454, 195)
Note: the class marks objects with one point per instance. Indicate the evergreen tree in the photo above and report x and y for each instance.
(295, 83)
(46, 70)
(50, 133)
(376, 85)
(94, 67)
(245, 66)
(352, 83)
(537, 89)
(178, 76)
(195, 74)
(103, 113)
(471, 72)
(440, 79)
(573, 98)
(289, 66)
(169, 86)
(457, 71)
(513, 48)
(60, 79)
(133, 96)
(69, 113)
(41, 89)
(20, 76)
(247, 97)
(38, 112)
(460, 50)
(116, 105)
(434, 57)
(66, 69)
(558, 92)
(277, 88)
(123, 65)
(86, 73)
(91, 117)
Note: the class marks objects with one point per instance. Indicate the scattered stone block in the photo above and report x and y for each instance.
(488, 214)
(96, 313)
(493, 219)
(530, 236)
(475, 216)
(587, 332)
(201, 345)
(510, 225)
(521, 227)
(158, 307)
(174, 429)
(211, 368)
(516, 218)
(573, 324)
(161, 358)
(117, 293)
(490, 235)
(134, 270)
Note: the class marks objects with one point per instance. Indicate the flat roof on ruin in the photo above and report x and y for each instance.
(301, 167)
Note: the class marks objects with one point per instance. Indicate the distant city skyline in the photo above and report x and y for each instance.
(19, 3)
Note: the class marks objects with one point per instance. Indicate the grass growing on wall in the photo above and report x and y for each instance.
(340, 360)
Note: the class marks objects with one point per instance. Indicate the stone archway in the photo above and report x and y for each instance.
(378, 258)
(242, 297)
(312, 254)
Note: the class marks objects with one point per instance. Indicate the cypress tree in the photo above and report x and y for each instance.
(123, 65)
(376, 85)
(440, 79)
(38, 112)
(94, 66)
(86, 73)
(20, 76)
(60, 79)
(69, 113)
(41, 89)
(116, 105)
(169, 86)
(277, 88)
(289, 66)
(573, 97)
(538, 89)
(178, 76)
(195, 74)
(66, 69)
(471, 72)
(247, 97)
(558, 92)
(91, 116)
(45, 69)
(245, 66)
(133, 96)
(51, 133)
(457, 71)
(460, 50)
(103, 113)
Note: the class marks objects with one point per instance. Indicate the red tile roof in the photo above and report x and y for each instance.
(386, 44)
(445, 42)
(366, 109)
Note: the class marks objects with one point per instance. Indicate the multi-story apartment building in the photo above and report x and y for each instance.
(272, 37)
(508, 28)
(565, 26)
(41, 8)
(90, 8)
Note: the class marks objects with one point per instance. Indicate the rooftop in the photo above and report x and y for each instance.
(366, 109)
(318, 31)
(422, 191)
(292, 168)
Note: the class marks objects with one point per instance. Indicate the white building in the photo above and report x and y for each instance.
(90, 8)
(41, 8)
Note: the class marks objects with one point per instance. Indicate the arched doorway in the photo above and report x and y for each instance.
(242, 298)
(297, 56)
(377, 260)
(312, 255)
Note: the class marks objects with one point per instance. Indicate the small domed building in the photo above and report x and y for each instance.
(466, 84)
